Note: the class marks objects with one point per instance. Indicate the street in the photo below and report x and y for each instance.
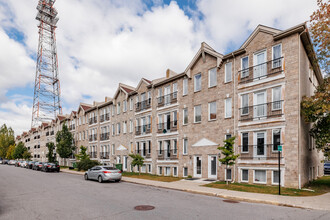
(28, 194)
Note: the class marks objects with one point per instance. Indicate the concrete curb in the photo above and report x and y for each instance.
(242, 199)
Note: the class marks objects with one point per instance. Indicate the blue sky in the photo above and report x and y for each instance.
(104, 42)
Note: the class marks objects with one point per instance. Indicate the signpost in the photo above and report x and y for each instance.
(279, 150)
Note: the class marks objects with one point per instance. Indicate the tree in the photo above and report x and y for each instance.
(6, 139)
(320, 33)
(138, 160)
(10, 152)
(228, 151)
(316, 110)
(64, 142)
(19, 150)
(50, 154)
(27, 155)
(82, 154)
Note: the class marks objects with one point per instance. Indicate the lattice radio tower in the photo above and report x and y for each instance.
(46, 100)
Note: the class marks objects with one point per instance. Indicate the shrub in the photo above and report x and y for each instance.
(86, 164)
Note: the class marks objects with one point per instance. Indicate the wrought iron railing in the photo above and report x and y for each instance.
(93, 154)
(259, 151)
(93, 120)
(167, 99)
(167, 154)
(143, 129)
(166, 127)
(266, 110)
(140, 106)
(104, 136)
(104, 155)
(144, 153)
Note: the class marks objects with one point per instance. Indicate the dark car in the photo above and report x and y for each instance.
(50, 167)
(30, 164)
(327, 167)
(37, 166)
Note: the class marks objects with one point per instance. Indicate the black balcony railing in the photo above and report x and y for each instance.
(167, 154)
(144, 153)
(105, 117)
(167, 99)
(104, 136)
(92, 137)
(72, 127)
(92, 120)
(104, 155)
(260, 71)
(47, 133)
(93, 154)
(143, 129)
(266, 110)
(140, 106)
(167, 127)
(258, 152)
(52, 133)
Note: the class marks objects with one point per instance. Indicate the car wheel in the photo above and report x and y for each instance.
(100, 179)
(86, 177)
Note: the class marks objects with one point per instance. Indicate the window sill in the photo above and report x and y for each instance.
(199, 122)
(228, 117)
(210, 87)
(197, 91)
(228, 82)
(210, 120)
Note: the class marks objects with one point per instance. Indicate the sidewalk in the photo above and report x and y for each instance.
(321, 202)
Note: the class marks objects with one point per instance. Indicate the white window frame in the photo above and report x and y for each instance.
(209, 111)
(183, 122)
(118, 108)
(245, 95)
(254, 172)
(130, 126)
(195, 82)
(149, 166)
(176, 171)
(124, 106)
(183, 171)
(184, 150)
(273, 55)
(242, 142)
(130, 104)
(209, 75)
(231, 72)
(195, 113)
(231, 109)
(273, 93)
(243, 70)
(244, 181)
(185, 87)
(160, 168)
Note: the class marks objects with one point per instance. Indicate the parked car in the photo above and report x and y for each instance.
(30, 164)
(5, 161)
(23, 164)
(50, 167)
(103, 173)
(12, 162)
(1, 161)
(327, 167)
(37, 166)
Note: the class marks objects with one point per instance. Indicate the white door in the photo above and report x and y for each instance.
(260, 105)
(198, 166)
(167, 97)
(212, 168)
(259, 146)
(260, 65)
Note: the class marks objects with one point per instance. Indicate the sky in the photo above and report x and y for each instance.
(101, 43)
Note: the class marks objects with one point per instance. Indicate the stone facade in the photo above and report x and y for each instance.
(177, 122)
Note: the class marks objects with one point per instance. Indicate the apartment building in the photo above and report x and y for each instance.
(177, 122)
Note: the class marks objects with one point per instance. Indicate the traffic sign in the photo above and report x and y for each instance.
(279, 147)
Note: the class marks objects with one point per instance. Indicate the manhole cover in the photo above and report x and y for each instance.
(144, 207)
(230, 201)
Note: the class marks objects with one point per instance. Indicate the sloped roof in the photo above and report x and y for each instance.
(204, 142)
(121, 147)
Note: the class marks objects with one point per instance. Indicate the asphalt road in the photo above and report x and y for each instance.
(27, 194)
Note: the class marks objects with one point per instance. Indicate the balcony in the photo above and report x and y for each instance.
(143, 153)
(167, 99)
(143, 129)
(258, 152)
(104, 155)
(92, 120)
(52, 133)
(72, 127)
(261, 71)
(261, 111)
(140, 106)
(93, 154)
(92, 137)
(105, 117)
(104, 136)
(47, 133)
(167, 154)
(170, 126)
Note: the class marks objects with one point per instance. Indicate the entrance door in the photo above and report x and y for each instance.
(259, 144)
(167, 97)
(198, 166)
(167, 152)
(260, 65)
(212, 169)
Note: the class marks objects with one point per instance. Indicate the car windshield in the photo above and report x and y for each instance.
(109, 168)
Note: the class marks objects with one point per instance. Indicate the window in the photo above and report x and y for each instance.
(149, 168)
(245, 67)
(124, 127)
(113, 110)
(175, 171)
(277, 53)
(124, 106)
(213, 77)
(167, 171)
(185, 171)
(175, 90)
(130, 126)
(143, 168)
(260, 176)
(212, 110)
(228, 136)
(125, 162)
(277, 104)
(185, 86)
(228, 108)
(245, 175)
(276, 139)
(130, 104)
(149, 147)
(175, 147)
(185, 116)
(185, 146)
(198, 82)
(113, 149)
(228, 72)
(118, 128)
(245, 142)
(160, 147)
(160, 170)
(275, 177)
(118, 108)
(245, 104)
(113, 129)
(198, 113)
(228, 174)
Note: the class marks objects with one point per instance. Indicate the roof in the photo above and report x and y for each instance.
(125, 88)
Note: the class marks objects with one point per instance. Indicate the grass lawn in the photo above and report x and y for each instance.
(151, 177)
(320, 186)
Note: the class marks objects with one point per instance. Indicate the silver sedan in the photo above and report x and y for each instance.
(103, 173)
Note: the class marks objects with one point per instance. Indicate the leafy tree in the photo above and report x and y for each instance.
(138, 160)
(64, 142)
(316, 109)
(82, 154)
(10, 152)
(86, 164)
(320, 33)
(19, 150)
(27, 155)
(228, 151)
(6, 139)
(50, 154)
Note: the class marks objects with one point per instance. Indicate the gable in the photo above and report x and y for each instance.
(204, 142)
